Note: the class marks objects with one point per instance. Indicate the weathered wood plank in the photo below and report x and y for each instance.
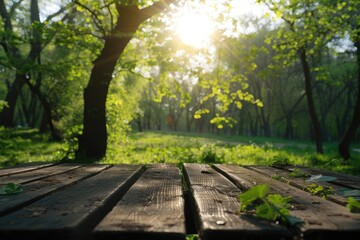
(300, 182)
(341, 178)
(216, 203)
(35, 190)
(37, 174)
(153, 208)
(72, 212)
(322, 219)
(23, 168)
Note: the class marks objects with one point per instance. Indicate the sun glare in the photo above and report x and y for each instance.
(194, 28)
(195, 23)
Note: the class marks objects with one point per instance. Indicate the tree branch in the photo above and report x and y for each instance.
(145, 13)
(156, 8)
(14, 6)
(107, 6)
(94, 15)
(5, 16)
(8, 28)
(61, 10)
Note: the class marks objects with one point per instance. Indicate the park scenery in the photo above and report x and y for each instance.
(244, 82)
(179, 119)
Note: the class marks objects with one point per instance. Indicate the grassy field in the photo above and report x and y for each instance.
(27, 145)
(19, 146)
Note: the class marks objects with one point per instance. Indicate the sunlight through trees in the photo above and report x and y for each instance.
(94, 70)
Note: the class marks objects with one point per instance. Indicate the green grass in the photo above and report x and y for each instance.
(27, 145)
(178, 147)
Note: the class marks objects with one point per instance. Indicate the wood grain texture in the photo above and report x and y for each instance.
(72, 212)
(153, 208)
(23, 168)
(322, 219)
(341, 178)
(33, 191)
(36, 174)
(300, 182)
(216, 203)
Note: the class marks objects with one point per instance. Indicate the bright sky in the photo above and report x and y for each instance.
(48, 7)
(195, 23)
(194, 27)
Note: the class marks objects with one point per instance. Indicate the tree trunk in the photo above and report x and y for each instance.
(7, 114)
(44, 127)
(341, 121)
(150, 108)
(138, 122)
(308, 90)
(344, 145)
(158, 124)
(241, 124)
(47, 108)
(93, 141)
(289, 130)
(266, 128)
(189, 118)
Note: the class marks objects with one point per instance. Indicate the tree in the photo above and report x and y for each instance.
(27, 64)
(353, 23)
(304, 32)
(93, 141)
(13, 54)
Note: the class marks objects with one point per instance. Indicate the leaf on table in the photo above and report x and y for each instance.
(265, 211)
(320, 178)
(272, 207)
(254, 193)
(279, 201)
(319, 190)
(298, 173)
(11, 188)
(353, 205)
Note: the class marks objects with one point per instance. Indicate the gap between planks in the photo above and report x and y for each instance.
(26, 167)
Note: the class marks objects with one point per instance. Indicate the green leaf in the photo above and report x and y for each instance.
(279, 201)
(265, 211)
(278, 14)
(353, 205)
(11, 188)
(298, 173)
(254, 193)
(192, 237)
(274, 207)
(259, 103)
(319, 190)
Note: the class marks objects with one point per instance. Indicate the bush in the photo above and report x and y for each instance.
(209, 154)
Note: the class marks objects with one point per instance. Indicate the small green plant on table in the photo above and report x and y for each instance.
(272, 207)
(11, 188)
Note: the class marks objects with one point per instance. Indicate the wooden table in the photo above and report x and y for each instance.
(160, 201)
